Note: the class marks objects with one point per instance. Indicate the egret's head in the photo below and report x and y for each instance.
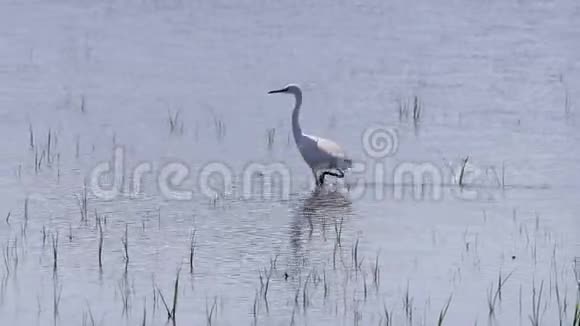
(289, 89)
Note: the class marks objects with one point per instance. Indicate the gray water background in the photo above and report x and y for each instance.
(498, 82)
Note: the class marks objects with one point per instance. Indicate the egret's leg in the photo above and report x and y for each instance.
(316, 179)
(339, 174)
(321, 178)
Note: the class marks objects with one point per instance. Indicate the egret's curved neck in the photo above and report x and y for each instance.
(296, 130)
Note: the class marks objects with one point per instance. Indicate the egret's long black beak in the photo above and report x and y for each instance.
(278, 91)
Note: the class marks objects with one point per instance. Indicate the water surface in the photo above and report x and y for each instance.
(497, 82)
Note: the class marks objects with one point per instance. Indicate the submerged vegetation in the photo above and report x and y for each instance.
(342, 278)
(349, 283)
(130, 266)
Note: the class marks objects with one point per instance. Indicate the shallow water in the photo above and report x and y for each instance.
(496, 82)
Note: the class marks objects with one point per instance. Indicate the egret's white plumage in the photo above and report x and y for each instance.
(320, 154)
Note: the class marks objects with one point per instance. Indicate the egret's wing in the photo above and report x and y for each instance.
(330, 150)
(330, 147)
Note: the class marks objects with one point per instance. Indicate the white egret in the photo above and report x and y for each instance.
(321, 155)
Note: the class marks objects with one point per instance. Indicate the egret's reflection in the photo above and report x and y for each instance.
(320, 209)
